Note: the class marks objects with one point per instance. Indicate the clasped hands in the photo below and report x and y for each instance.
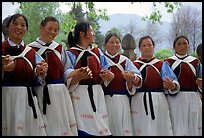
(7, 64)
(131, 78)
(169, 84)
(85, 73)
(41, 69)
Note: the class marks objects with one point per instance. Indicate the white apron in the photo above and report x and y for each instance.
(186, 113)
(17, 115)
(88, 121)
(118, 105)
(144, 125)
(59, 118)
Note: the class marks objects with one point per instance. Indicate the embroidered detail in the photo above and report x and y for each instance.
(105, 130)
(133, 112)
(87, 116)
(139, 131)
(43, 126)
(105, 116)
(65, 134)
(72, 125)
(127, 131)
(19, 127)
(4, 128)
(75, 98)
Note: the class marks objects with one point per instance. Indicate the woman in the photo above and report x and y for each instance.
(54, 98)
(119, 90)
(186, 106)
(149, 106)
(86, 90)
(22, 67)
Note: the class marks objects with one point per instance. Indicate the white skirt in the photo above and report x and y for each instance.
(144, 125)
(59, 119)
(93, 123)
(186, 113)
(17, 115)
(119, 116)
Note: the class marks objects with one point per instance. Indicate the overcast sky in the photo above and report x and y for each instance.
(142, 9)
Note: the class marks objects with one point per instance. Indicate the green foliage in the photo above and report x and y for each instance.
(156, 16)
(35, 12)
(194, 54)
(116, 31)
(163, 54)
(100, 40)
(171, 6)
(66, 25)
(91, 15)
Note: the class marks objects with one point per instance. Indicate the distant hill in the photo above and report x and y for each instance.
(122, 20)
(119, 20)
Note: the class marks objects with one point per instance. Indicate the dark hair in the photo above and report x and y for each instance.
(16, 16)
(199, 50)
(4, 28)
(177, 38)
(109, 35)
(47, 19)
(145, 37)
(73, 36)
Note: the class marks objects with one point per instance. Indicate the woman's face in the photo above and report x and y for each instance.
(147, 48)
(17, 29)
(181, 46)
(49, 31)
(90, 35)
(113, 45)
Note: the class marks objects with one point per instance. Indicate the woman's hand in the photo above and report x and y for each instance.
(107, 75)
(129, 76)
(42, 68)
(199, 82)
(80, 74)
(169, 84)
(7, 64)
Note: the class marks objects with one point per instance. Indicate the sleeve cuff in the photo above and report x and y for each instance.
(140, 81)
(176, 90)
(71, 87)
(132, 91)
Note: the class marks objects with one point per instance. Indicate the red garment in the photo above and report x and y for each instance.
(55, 66)
(151, 79)
(185, 76)
(22, 72)
(92, 63)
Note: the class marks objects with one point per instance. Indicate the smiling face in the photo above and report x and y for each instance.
(113, 45)
(17, 29)
(49, 31)
(181, 46)
(89, 37)
(147, 48)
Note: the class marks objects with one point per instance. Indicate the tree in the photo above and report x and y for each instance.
(152, 29)
(89, 14)
(155, 15)
(39, 11)
(187, 21)
(67, 20)
(116, 31)
(163, 54)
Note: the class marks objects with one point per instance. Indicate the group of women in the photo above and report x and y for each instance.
(48, 90)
